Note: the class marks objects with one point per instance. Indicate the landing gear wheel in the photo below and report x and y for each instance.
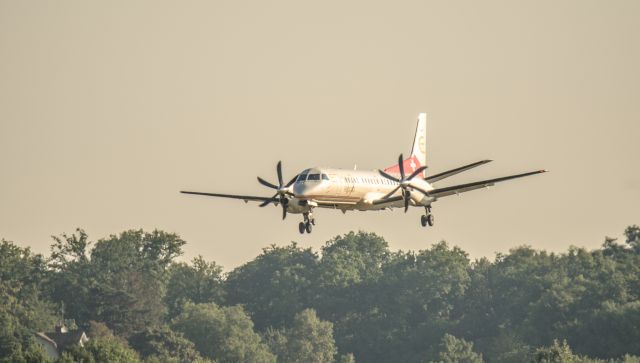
(430, 220)
(302, 227)
(309, 227)
(426, 219)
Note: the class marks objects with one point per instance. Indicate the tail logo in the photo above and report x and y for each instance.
(422, 144)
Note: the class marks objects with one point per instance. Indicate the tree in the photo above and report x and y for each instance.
(351, 259)
(200, 282)
(130, 272)
(23, 310)
(556, 353)
(454, 350)
(31, 352)
(100, 350)
(348, 271)
(382, 306)
(275, 285)
(309, 339)
(164, 345)
(223, 334)
(347, 358)
(71, 277)
(68, 249)
(633, 237)
(120, 281)
(415, 304)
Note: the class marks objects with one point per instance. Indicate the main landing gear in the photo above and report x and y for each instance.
(307, 225)
(427, 218)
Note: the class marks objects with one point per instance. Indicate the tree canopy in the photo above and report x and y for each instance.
(354, 300)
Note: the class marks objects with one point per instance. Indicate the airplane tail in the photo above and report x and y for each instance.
(418, 156)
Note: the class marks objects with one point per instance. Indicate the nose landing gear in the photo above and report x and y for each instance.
(307, 225)
(427, 218)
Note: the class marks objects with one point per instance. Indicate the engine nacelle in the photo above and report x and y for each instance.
(298, 206)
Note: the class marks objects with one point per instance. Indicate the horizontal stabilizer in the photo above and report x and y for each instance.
(452, 172)
(457, 189)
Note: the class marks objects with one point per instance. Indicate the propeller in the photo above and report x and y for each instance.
(282, 191)
(404, 183)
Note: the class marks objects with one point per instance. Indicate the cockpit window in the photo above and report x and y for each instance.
(301, 177)
(325, 177)
(313, 177)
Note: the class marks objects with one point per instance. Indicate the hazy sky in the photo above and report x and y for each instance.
(108, 109)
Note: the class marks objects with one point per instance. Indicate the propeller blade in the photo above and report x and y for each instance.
(401, 166)
(388, 176)
(266, 183)
(406, 200)
(418, 171)
(391, 193)
(285, 204)
(279, 170)
(265, 203)
(291, 181)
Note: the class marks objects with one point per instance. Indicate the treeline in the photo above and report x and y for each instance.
(354, 300)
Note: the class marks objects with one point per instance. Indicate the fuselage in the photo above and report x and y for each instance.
(348, 190)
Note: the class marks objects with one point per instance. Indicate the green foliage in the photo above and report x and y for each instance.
(22, 308)
(309, 339)
(122, 283)
(275, 285)
(72, 277)
(100, 351)
(556, 353)
(69, 249)
(350, 267)
(412, 303)
(633, 237)
(31, 353)
(454, 350)
(352, 259)
(380, 305)
(164, 345)
(224, 334)
(200, 282)
(347, 358)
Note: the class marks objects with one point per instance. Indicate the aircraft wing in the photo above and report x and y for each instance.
(457, 189)
(448, 173)
(246, 198)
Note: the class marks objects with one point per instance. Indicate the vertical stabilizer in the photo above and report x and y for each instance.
(419, 150)
(418, 156)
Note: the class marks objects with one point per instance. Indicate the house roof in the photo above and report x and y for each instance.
(63, 340)
(44, 337)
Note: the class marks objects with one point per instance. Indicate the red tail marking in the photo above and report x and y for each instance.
(410, 165)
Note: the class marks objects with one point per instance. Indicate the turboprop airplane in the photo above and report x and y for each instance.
(402, 185)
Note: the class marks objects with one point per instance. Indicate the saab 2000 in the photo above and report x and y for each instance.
(402, 185)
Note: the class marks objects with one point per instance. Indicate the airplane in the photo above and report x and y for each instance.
(402, 185)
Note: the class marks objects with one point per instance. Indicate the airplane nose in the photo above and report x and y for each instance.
(303, 189)
(299, 189)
